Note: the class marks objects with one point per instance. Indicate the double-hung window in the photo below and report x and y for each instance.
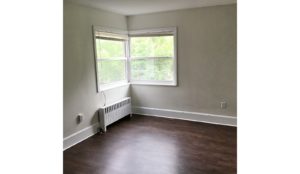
(153, 57)
(146, 57)
(111, 58)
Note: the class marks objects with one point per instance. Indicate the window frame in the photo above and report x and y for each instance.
(155, 32)
(127, 35)
(121, 33)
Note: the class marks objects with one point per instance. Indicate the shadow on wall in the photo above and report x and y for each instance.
(111, 96)
(95, 118)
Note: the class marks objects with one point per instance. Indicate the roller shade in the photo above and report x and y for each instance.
(110, 36)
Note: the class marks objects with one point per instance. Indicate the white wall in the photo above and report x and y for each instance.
(206, 60)
(80, 94)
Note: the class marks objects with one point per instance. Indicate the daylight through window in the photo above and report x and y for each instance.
(151, 59)
(111, 59)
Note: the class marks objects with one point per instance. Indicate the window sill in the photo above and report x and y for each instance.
(144, 83)
(112, 86)
(149, 83)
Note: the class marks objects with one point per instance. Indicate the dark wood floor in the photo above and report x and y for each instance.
(152, 145)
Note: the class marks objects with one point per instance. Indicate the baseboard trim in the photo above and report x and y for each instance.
(80, 136)
(185, 115)
(166, 113)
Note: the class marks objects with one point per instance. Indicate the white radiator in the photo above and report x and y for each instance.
(113, 112)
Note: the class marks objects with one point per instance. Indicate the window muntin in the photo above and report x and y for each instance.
(111, 71)
(148, 58)
(111, 59)
(153, 57)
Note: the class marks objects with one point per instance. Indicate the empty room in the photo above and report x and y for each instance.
(149, 87)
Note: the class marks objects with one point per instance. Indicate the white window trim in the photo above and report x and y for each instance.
(149, 32)
(128, 34)
(112, 85)
(109, 30)
(109, 86)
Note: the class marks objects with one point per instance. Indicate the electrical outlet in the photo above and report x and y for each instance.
(79, 118)
(223, 104)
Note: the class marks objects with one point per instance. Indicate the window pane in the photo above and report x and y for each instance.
(152, 46)
(111, 71)
(110, 48)
(152, 69)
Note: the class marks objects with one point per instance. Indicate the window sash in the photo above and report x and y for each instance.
(125, 36)
(113, 35)
(115, 58)
(138, 58)
(112, 59)
(112, 82)
(153, 33)
(147, 81)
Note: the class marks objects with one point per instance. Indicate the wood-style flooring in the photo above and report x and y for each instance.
(153, 145)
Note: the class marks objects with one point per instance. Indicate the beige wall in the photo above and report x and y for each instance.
(206, 60)
(80, 94)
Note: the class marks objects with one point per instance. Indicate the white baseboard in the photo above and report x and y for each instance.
(175, 114)
(80, 136)
(185, 115)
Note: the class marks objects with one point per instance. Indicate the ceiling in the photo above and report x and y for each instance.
(135, 7)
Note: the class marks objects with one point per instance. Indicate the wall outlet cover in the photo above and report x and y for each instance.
(79, 118)
(223, 105)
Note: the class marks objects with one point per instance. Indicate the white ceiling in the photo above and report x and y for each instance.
(134, 7)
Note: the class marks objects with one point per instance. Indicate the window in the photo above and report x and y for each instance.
(111, 59)
(153, 57)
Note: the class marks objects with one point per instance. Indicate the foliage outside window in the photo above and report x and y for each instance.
(111, 59)
(151, 58)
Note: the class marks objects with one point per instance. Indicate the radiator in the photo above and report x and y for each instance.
(113, 112)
